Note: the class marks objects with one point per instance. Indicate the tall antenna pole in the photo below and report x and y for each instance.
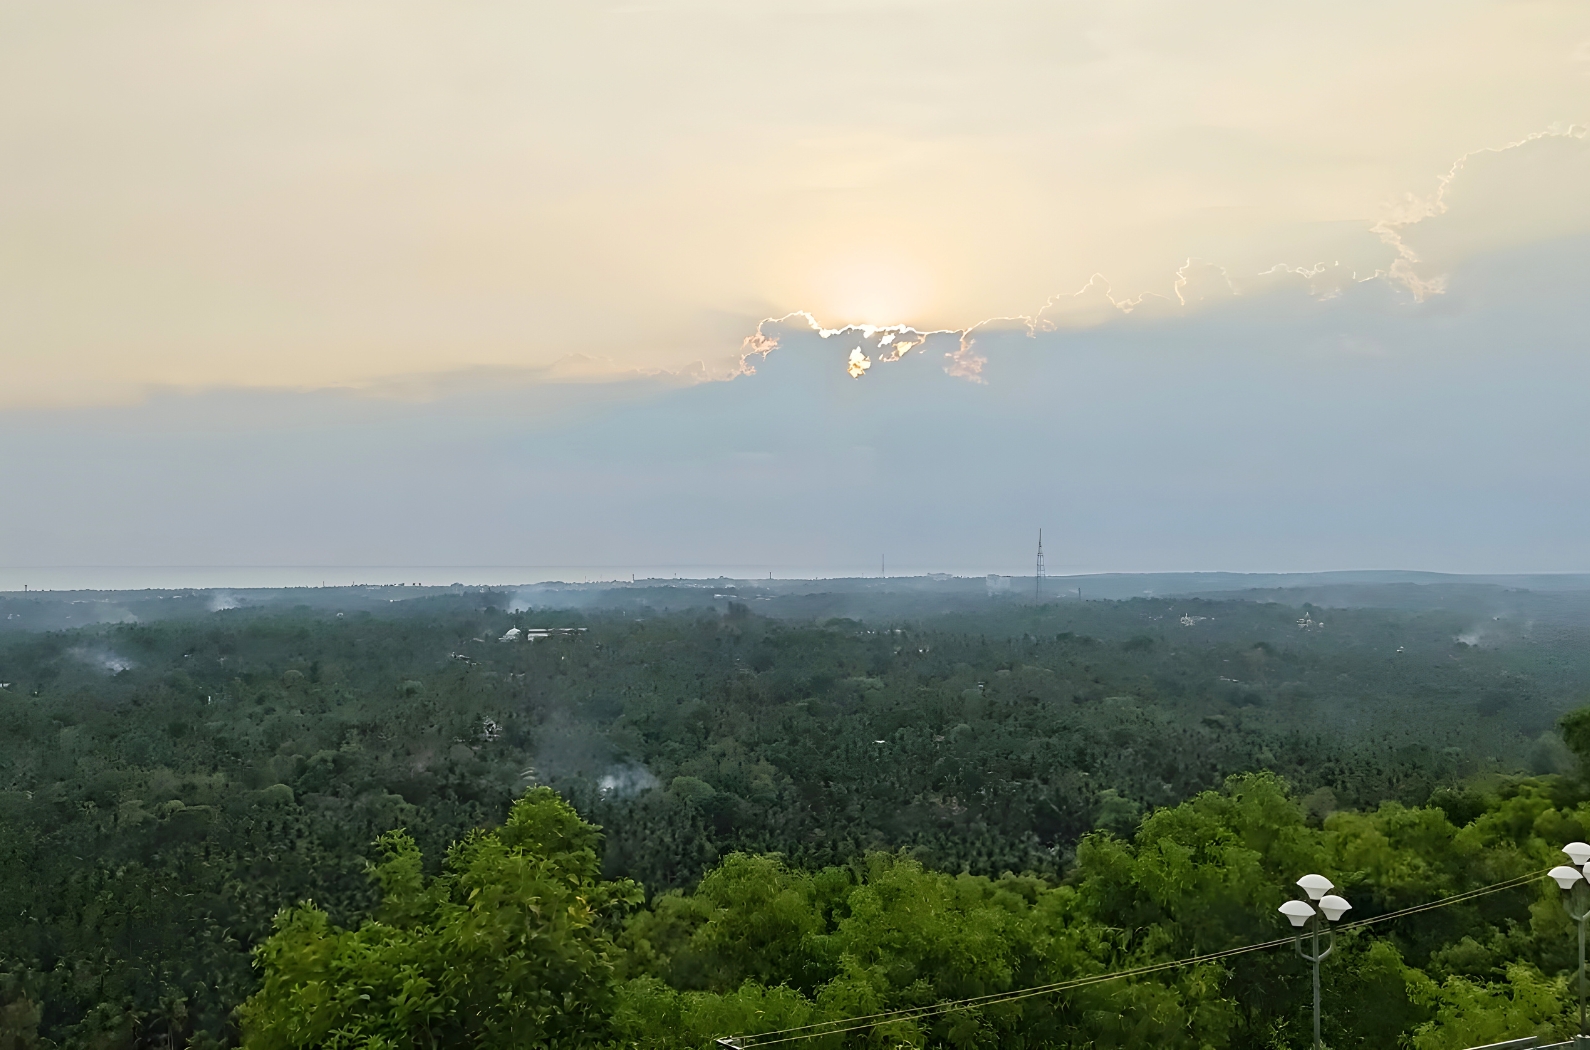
(1037, 577)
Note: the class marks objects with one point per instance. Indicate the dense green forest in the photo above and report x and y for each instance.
(800, 819)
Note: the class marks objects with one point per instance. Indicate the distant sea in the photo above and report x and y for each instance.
(1089, 584)
(209, 577)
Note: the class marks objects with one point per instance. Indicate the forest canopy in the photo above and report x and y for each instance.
(168, 789)
(516, 944)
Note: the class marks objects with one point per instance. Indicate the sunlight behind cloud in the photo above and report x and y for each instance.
(860, 289)
(305, 196)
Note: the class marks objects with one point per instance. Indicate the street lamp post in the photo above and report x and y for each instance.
(1576, 902)
(1302, 913)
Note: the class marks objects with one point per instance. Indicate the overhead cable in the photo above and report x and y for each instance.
(853, 1024)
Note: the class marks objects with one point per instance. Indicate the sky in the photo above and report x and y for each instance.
(756, 286)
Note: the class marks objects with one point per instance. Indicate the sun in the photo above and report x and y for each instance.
(868, 289)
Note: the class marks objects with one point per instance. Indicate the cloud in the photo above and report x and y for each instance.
(1322, 280)
(1525, 191)
(1198, 281)
(965, 362)
(892, 341)
(1277, 429)
(1541, 194)
(415, 198)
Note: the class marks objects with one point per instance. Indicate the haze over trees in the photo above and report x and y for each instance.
(800, 820)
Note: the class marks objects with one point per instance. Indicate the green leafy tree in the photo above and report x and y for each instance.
(1575, 727)
(1473, 1013)
(508, 947)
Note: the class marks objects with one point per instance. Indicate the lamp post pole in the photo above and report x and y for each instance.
(1581, 920)
(1303, 913)
(1576, 902)
(1316, 957)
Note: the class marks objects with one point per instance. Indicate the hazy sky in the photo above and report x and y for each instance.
(353, 283)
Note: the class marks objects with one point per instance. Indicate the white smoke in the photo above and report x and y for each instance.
(104, 659)
(626, 781)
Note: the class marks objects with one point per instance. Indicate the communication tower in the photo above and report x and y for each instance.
(1037, 576)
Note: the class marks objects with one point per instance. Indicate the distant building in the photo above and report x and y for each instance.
(535, 634)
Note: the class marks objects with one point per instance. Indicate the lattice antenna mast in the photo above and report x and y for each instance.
(1037, 577)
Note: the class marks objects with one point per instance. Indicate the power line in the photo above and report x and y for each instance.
(859, 1022)
(911, 1014)
(1457, 898)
